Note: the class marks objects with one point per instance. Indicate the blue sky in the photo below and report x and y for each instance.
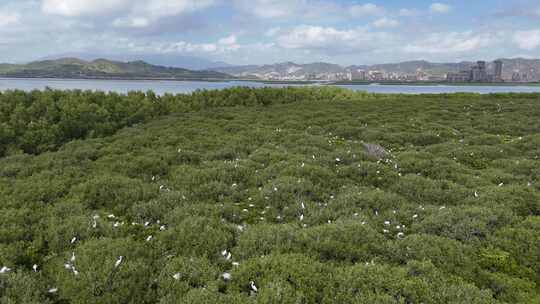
(267, 31)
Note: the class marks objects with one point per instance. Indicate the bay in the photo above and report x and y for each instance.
(173, 87)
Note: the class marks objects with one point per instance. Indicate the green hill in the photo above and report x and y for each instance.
(103, 69)
(298, 195)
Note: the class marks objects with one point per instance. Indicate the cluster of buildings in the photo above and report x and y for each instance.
(481, 72)
(478, 73)
(376, 75)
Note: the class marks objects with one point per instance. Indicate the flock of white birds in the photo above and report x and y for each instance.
(227, 255)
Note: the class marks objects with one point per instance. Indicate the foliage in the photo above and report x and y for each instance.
(209, 194)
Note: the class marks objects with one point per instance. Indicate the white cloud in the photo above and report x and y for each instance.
(332, 40)
(230, 40)
(368, 9)
(440, 8)
(405, 12)
(9, 18)
(270, 8)
(293, 9)
(527, 40)
(385, 23)
(129, 13)
(161, 8)
(132, 22)
(453, 42)
(74, 8)
(224, 45)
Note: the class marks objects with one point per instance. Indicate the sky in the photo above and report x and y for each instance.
(243, 32)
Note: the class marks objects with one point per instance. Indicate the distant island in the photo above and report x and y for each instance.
(73, 68)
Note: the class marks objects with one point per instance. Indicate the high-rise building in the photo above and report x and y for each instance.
(498, 70)
(479, 73)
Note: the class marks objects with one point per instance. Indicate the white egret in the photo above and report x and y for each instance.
(301, 217)
(226, 276)
(387, 223)
(501, 184)
(149, 238)
(476, 194)
(111, 216)
(5, 269)
(35, 267)
(73, 240)
(303, 206)
(253, 287)
(235, 264)
(162, 228)
(415, 216)
(118, 262)
(53, 290)
(400, 235)
(177, 276)
(72, 257)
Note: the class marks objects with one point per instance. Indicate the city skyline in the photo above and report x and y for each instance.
(241, 32)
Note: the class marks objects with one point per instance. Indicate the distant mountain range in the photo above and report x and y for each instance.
(169, 60)
(104, 69)
(109, 69)
(531, 67)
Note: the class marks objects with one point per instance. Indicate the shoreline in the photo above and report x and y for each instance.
(285, 82)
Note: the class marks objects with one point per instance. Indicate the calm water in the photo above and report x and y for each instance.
(161, 87)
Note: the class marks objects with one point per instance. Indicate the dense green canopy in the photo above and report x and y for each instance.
(202, 198)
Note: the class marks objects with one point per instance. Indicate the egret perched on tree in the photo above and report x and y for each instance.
(72, 257)
(118, 262)
(53, 290)
(35, 267)
(73, 240)
(226, 276)
(226, 254)
(149, 238)
(5, 269)
(476, 194)
(177, 276)
(253, 287)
